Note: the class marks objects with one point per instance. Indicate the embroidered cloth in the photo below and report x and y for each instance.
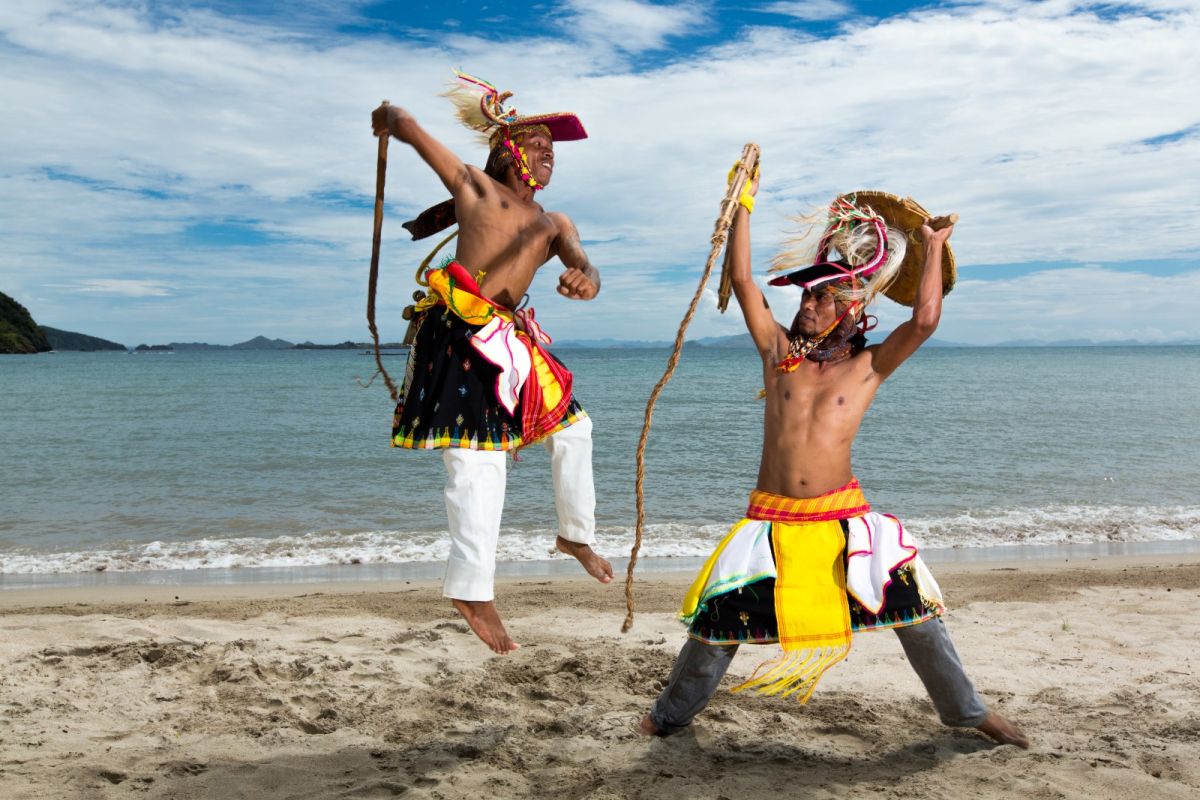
(478, 374)
(805, 572)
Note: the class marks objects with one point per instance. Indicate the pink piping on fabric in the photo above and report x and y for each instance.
(497, 364)
(889, 582)
(870, 542)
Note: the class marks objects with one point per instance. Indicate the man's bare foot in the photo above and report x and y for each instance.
(596, 566)
(647, 727)
(481, 615)
(1003, 731)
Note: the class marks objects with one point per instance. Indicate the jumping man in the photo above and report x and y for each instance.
(479, 381)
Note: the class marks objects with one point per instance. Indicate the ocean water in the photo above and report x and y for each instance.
(233, 459)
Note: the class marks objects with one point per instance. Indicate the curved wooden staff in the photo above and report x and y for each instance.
(742, 173)
(380, 178)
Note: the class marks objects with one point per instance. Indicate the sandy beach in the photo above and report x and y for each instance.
(377, 690)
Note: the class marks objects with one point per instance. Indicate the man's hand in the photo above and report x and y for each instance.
(749, 188)
(577, 285)
(936, 231)
(390, 119)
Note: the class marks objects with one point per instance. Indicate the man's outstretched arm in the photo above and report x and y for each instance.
(581, 281)
(927, 306)
(449, 167)
(767, 334)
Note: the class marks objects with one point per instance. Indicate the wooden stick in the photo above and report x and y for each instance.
(720, 234)
(937, 223)
(376, 239)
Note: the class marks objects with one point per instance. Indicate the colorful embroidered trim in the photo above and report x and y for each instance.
(448, 437)
(841, 503)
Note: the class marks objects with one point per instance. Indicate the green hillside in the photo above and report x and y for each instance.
(68, 340)
(18, 332)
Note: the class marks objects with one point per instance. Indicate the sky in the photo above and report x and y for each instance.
(206, 171)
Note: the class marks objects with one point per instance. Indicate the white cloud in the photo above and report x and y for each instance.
(629, 25)
(1089, 302)
(124, 288)
(122, 132)
(809, 10)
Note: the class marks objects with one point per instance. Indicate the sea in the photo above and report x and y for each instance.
(238, 466)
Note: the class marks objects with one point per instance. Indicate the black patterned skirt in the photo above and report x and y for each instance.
(449, 394)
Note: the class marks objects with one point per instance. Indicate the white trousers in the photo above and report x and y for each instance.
(475, 483)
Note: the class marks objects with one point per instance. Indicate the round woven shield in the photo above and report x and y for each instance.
(906, 214)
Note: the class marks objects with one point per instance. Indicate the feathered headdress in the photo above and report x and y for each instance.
(869, 253)
(480, 106)
(875, 235)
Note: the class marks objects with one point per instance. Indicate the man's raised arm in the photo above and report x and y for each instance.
(927, 306)
(581, 281)
(403, 126)
(764, 330)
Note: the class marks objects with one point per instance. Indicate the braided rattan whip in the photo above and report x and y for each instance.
(744, 170)
(380, 177)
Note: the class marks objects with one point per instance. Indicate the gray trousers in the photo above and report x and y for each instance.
(700, 667)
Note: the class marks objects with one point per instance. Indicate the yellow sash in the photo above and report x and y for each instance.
(811, 612)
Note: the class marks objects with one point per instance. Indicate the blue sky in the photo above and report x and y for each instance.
(205, 171)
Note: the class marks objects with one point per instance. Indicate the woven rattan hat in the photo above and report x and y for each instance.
(907, 215)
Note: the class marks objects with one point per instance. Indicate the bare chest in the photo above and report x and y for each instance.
(806, 398)
(507, 233)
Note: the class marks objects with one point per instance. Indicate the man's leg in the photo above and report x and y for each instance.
(575, 496)
(932, 655)
(475, 483)
(694, 680)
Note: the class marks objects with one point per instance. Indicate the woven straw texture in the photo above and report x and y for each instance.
(906, 214)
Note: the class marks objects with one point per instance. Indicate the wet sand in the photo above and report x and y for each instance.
(378, 690)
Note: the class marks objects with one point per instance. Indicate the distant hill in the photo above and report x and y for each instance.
(262, 343)
(81, 342)
(18, 332)
(196, 346)
(603, 344)
(348, 345)
(1093, 343)
(257, 343)
(738, 341)
(735, 342)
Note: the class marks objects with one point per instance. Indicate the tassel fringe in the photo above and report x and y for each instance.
(795, 672)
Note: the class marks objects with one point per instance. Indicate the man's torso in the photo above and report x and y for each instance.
(503, 237)
(812, 416)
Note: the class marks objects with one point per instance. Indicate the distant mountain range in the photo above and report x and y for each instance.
(19, 333)
(742, 340)
(738, 341)
(257, 343)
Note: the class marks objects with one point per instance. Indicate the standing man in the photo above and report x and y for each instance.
(811, 562)
(479, 381)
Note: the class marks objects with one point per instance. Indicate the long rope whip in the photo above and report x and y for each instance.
(742, 172)
(380, 179)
